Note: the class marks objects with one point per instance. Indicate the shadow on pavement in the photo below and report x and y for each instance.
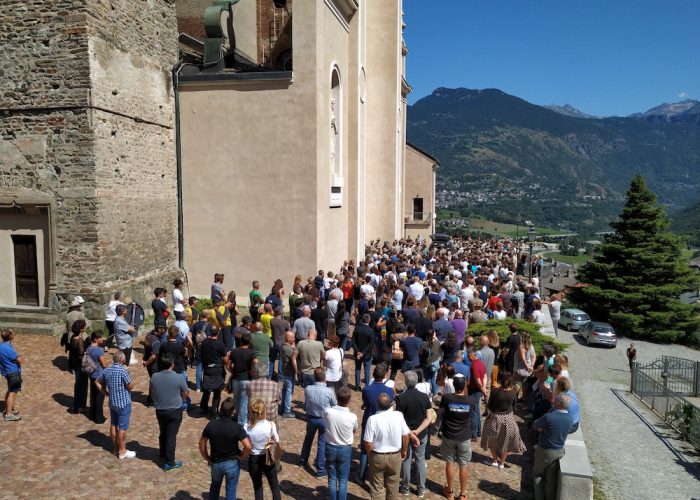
(61, 362)
(98, 439)
(295, 490)
(500, 490)
(63, 399)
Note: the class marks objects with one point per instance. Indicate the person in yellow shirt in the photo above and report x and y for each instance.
(191, 308)
(220, 316)
(266, 318)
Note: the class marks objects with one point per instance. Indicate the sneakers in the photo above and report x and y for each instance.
(172, 466)
(128, 454)
(320, 474)
(289, 415)
(403, 490)
(502, 466)
(420, 493)
(13, 417)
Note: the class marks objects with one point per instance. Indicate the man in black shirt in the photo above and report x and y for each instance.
(320, 318)
(456, 449)
(151, 352)
(414, 405)
(214, 358)
(362, 342)
(160, 308)
(223, 436)
(243, 361)
(513, 346)
(424, 327)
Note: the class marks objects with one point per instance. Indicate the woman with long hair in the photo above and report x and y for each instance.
(495, 344)
(334, 363)
(234, 312)
(261, 431)
(76, 349)
(342, 325)
(500, 434)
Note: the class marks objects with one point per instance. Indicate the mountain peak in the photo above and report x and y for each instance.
(672, 109)
(568, 110)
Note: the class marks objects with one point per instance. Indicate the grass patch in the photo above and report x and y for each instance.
(598, 493)
(511, 230)
(581, 258)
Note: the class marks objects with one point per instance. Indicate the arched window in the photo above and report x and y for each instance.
(336, 138)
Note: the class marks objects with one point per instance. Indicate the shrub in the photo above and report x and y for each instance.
(204, 303)
(539, 340)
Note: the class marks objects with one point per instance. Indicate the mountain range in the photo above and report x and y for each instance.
(504, 157)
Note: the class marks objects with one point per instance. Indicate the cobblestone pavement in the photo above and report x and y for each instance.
(630, 458)
(53, 454)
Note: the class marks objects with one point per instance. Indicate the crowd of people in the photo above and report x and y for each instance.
(406, 309)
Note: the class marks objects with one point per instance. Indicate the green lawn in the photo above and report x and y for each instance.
(501, 229)
(569, 259)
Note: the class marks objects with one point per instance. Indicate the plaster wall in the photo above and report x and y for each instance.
(383, 124)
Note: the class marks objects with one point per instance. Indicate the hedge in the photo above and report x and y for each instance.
(539, 340)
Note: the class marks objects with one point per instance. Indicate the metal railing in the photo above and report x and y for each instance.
(418, 217)
(661, 386)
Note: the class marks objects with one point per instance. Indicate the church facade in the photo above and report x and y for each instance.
(266, 140)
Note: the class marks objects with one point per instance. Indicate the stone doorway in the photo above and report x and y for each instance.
(26, 261)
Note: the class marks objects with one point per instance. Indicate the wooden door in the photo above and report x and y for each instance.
(26, 273)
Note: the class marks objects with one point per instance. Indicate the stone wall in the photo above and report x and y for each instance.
(87, 117)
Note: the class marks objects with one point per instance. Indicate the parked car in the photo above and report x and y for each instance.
(440, 240)
(597, 332)
(573, 319)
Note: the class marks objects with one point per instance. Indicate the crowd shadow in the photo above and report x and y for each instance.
(102, 440)
(63, 399)
(499, 490)
(61, 362)
(186, 495)
(297, 490)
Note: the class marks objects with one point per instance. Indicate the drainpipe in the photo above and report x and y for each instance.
(178, 163)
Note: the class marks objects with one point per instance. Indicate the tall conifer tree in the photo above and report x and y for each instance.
(639, 272)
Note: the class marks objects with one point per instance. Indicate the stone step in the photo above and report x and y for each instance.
(33, 328)
(26, 317)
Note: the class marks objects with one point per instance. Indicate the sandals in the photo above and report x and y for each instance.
(447, 493)
(462, 496)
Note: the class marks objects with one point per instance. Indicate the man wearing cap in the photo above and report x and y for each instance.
(75, 312)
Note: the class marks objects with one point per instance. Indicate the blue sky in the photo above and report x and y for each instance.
(605, 57)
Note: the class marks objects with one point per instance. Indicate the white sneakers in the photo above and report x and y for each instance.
(128, 454)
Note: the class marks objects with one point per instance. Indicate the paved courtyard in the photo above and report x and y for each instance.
(53, 454)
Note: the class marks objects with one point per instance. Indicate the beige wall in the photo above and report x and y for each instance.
(251, 182)
(256, 155)
(383, 127)
(420, 183)
(30, 225)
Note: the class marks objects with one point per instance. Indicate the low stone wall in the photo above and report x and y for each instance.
(575, 471)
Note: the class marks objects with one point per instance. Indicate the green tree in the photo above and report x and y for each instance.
(639, 273)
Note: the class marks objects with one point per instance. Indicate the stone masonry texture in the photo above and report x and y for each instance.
(87, 116)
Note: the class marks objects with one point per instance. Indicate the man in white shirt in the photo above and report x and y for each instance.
(368, 289)
(340, 424)
(416, 289)
(386, 441)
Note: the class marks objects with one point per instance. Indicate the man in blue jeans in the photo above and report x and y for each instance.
(223, 436)
(476, 389)
(288, 374)
(340, 425)
(318, 398)
(370, 397)
(243, 362)
(362, 340)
